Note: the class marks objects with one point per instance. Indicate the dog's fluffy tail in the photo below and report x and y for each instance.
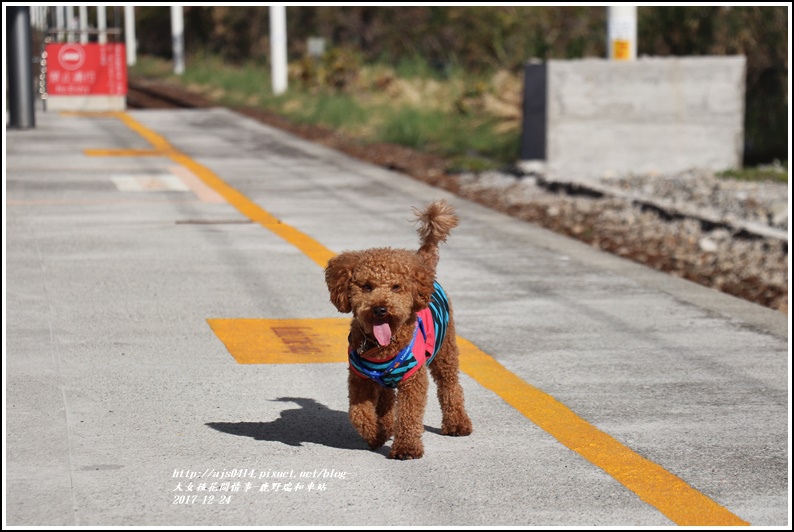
(435, 223)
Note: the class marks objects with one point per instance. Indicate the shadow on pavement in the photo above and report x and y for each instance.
(312, 422)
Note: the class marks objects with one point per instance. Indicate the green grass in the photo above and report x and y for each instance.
(227, 84)
(409, 126)
(470, 144)
(336, 111)
(149, 67)
(234, 85)
(777, 172)
(418, 67)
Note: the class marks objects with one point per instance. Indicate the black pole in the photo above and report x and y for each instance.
(20, 70)
(533, 129)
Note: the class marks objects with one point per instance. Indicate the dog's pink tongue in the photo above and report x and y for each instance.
(382, 333)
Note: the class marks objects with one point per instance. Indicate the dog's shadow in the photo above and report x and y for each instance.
(311, 422)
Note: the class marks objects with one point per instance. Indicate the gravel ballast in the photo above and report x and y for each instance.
(723, 233)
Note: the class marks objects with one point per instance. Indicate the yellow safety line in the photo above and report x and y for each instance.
(301, 341)
(664, 491)
(653, 484)
(310, 247)
(123, 153)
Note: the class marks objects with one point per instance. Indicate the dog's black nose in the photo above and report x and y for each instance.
(379, 312)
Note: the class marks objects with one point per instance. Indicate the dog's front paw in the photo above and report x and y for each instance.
(463, 428)
(405, 452)
(456, 425)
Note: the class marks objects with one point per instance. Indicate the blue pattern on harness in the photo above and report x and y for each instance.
(390, 372)
(439, 310)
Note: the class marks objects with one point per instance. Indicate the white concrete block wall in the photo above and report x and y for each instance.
(650, 115)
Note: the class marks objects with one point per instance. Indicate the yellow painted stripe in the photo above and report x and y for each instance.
(91, 114)
(123, 153)
(661, 489)
(288, 341)
(653, 484)
(310, 247)
(157, 141)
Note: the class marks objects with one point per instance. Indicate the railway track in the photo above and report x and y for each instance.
(146, 95)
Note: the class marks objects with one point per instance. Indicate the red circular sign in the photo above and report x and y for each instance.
(71, 57)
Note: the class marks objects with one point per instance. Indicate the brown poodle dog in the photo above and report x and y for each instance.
(402, 321)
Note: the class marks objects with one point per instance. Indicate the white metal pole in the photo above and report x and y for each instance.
(60, 12)
(178, 39)
(102, 24)
(622, 32)
(71, 24)
(38, 17)
(83, 24)
(278, 48)
(129, 35)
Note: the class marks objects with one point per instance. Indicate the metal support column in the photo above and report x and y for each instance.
(19, 59)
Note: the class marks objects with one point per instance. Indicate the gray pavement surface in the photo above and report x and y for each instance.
(120, 397)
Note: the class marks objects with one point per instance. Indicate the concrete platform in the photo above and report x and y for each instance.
(148, 253)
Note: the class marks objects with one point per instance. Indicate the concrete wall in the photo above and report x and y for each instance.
(650, 115)
(92, 103)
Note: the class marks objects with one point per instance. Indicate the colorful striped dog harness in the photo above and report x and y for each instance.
(429, 332)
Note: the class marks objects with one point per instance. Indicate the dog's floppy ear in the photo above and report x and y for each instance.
(338, 276)
(423, 278)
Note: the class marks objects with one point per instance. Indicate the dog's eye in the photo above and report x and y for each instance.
(366, 287)
(396, 288)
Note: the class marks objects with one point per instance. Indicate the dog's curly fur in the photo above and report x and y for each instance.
(401, 282)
